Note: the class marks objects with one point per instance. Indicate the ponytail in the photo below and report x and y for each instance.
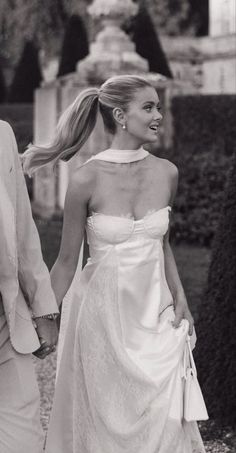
(73, 129)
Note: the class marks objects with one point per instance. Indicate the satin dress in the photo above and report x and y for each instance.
(120, 381)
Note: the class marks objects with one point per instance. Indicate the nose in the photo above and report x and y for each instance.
(158, 116)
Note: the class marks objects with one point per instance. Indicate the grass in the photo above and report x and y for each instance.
(192, 263)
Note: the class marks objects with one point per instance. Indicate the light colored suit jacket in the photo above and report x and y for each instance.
(25, 286)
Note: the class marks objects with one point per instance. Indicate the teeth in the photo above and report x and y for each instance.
(153, 128)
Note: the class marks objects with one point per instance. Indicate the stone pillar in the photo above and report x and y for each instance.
(222, 14)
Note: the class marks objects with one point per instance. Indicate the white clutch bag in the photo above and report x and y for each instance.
(194, 405)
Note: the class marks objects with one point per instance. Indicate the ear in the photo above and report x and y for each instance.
(119, 116)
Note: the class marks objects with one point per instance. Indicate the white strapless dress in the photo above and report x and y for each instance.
(120, 381)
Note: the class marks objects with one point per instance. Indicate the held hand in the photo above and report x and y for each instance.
(48, 335)
(182, 312)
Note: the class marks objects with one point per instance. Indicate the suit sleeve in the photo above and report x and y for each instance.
(33, 273)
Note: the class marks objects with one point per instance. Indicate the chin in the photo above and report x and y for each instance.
(151, 139)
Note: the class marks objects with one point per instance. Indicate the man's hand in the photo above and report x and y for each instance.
(182, 312)
(48, 335)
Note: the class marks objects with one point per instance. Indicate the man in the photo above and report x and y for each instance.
(27, 307)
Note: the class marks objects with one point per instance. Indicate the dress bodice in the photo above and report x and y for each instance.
(114, 230)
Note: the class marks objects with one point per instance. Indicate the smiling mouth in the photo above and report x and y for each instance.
(154, 127)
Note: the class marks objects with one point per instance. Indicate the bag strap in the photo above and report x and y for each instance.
(189, 355)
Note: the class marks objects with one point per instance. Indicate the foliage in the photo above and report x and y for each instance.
(204, 140)
(27, 75)
(149, 48)
(44, 21)
(169, 16)
(216, 328)
(75, 45)
(41, 21)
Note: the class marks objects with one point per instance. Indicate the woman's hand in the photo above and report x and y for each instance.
(182, 312)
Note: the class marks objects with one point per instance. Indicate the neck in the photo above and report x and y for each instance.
(124, 143)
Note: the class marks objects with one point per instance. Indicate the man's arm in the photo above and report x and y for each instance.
(32, 271)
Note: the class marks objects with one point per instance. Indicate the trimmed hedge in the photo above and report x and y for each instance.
(149, 48)
(27, 75)
(204, 141)
(75, 45)
(216, 358)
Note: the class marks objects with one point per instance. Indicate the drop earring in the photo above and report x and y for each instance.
(124, 126)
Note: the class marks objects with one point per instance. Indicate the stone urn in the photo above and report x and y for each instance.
(112, 52)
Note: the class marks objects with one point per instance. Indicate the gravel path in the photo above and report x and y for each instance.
(46, 377)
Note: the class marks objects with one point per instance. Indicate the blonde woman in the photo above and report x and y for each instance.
(120, 384)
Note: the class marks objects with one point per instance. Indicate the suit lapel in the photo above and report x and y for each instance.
(9, 285)
(8, 233)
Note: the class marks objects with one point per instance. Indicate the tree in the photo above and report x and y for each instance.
(169, 16)
(215, 352)
(27, 75)
(75, 45)
(147, 43)
(2, 87)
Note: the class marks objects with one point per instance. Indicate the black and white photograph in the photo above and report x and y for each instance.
(117, 226)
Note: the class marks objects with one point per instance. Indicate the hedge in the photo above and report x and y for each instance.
(215, 352)
(204, 141)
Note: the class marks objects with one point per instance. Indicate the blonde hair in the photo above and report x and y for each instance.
(78, 121)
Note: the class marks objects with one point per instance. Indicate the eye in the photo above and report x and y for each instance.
(148, 108)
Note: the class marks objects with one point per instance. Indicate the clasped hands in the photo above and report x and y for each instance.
(48, 335)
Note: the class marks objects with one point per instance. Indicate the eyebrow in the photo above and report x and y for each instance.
(151, 102)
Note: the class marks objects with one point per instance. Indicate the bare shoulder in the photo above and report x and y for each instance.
(164, 165)
(169, 172)
(81, 184)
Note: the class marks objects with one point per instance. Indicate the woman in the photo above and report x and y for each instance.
(119, 387)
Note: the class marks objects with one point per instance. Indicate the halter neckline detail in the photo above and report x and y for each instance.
(120, 156)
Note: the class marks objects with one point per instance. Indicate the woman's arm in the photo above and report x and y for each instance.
(75, 213)
(172, 275)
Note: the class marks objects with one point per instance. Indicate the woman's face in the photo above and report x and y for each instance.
(143, 116)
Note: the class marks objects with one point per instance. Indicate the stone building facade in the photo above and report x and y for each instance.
(209, 62)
